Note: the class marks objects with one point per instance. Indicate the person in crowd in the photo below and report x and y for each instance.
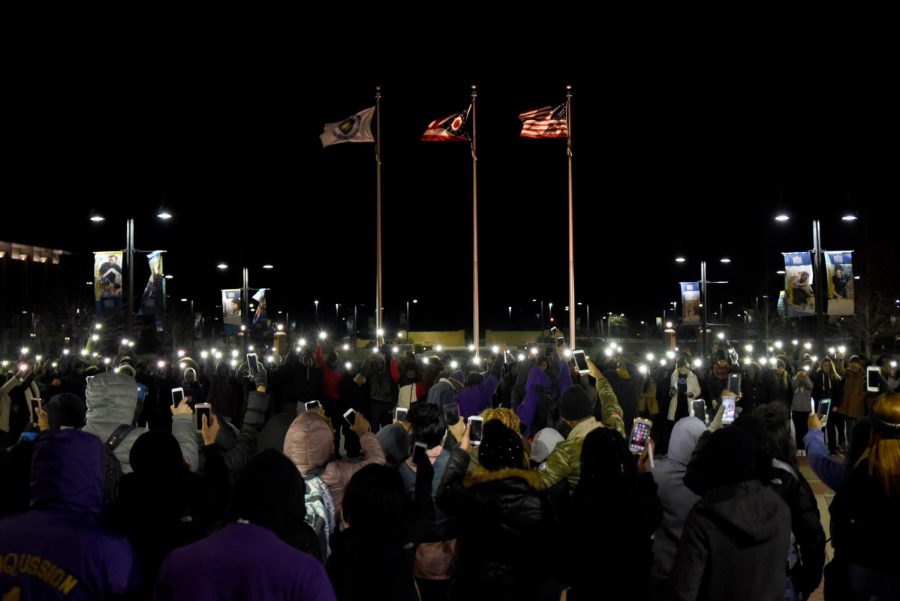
(677, 499)
(475, 396)
(58, 549)
(782, 390)
(864, 526)
(259, 553)
(853, 395)
(616, 501)
(801, 404)
(823, 463)
(540, 406)
(738, 522)
(627, 384)
(501, 518)
(827, 385)
(381, 387)
(755, 388)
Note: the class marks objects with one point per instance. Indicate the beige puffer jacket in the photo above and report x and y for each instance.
(309, 444)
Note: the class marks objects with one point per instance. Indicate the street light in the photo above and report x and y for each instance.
(704, 326)
(408, 328)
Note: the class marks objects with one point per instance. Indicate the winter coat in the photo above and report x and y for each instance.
(502, 521)
(853, 396)
(58, 550)
(692, 392)
(802, 387)
(309, 444)
(111, 401)
(745, 525)
(830, 471)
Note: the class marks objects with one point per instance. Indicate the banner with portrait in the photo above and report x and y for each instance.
(798, 284)
(260, 317)
(108, 282)
(839, 264)
(690, 302)
(152, 299)
(231, 310)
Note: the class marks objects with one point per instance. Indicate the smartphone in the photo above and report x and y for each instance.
(420, 452)
(812, 405)
(581, 362)
(252, 364)
(24, 371)
(640, 435)
(728, 411)
(873, 378)
(734, 383)
(698, 409)
(177, 396)
(451, 413)
(312, 405)
(824, 411)
(350, 416)
(476, 428)
(35, 407)
(560, 340)
(400, 414)
(201, 409)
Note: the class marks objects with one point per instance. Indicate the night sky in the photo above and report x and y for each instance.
(672, 156)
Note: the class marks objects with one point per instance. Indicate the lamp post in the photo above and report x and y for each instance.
(704, 325)
(408, 327)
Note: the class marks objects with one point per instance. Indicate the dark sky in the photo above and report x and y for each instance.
(674, 154)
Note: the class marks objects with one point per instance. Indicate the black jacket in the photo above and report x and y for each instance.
(502, 524)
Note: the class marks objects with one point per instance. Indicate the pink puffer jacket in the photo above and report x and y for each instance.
(309, 444)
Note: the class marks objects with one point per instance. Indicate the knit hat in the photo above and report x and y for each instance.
(544, 443)
(575, 404)
(500, 447)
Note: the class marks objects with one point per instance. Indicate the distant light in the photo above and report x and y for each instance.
(782, 217)
(747, 360)
(831, 350)
(4, 363)
(250, 348)
(567, 353)
(471, 347)
(124, 342)
(650, 357)
(439, 348)
(180, 353)
(780, 272)
(322, 336)
(670, 354)
(346, 347)
(534, 351)
(668, 324)
(379, 332)
(234, 363)
(107, 360)
(98, 326)
(131, 344)
(795, 342)
(97, 218)
(84, 352)
(184, 300)
(169, 276)
(662, 362)
(348, 366)
(243, 328)
(849, 217)
(842, 349)
(680, 259)
(375, 350)
(95, 337)
(280, 327)
(234, 353)
(642, 368)
(302, 342)
(608, 352)
(779, 344)
(495, 349)
(721, 336)
(771, 348)
(425, 360)
(204, 355)
(270, 359)
(267, 266)
(217, 355)
(520, 356)
(25, 350)
(773, 361)
(65, 351)
(698, 363)
(763, 360)
(222, 266)
(807, 345)
(454, 364)
(395, 350)
(54, 364)
(725, 260)
(815, 358)
(856, 277)
(476, 360)
(182, 365)
(38, 357)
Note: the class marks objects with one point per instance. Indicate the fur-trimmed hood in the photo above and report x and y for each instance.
(480, 475)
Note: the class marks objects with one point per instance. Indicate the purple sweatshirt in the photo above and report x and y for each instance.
(475, 399)
(57, 550)
(242, 561)
(527, 410)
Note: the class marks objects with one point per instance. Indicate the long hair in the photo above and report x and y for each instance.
(883, 454)
(777, 419)
(608, 474)
(376, 502)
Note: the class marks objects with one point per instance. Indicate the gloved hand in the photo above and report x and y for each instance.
(261, 378)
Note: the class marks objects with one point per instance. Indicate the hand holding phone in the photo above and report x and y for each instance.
(312, 405)
(177, 396)
(728, 404)
(873, 378)
(581, 362)
(252, 365)
(823, 411)
(420, 453)
(451, 413)
(35, 410)
(476, 429)
(202, 409)
(400, 414)
(734, 383)
(640, 435)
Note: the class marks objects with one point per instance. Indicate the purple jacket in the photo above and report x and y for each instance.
(475, 399)
(57, 550)
(833, 473)
(242, 561)
(527, 411)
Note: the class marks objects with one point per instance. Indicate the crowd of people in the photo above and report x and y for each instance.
(405, 477)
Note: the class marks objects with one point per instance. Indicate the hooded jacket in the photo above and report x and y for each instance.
(309, 444)
(58, 550)
(501, 522)
(744, 524)
(540, 380)
(677, 499)
(475, 398)
(111, 400)
(692, 392)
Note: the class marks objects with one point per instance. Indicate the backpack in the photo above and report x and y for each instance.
(319, 511)
(113, 468)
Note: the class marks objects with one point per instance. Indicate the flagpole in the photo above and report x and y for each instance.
(378, 325)
(572, 303)
(475, 224)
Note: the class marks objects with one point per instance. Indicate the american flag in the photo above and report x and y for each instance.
(545, 122)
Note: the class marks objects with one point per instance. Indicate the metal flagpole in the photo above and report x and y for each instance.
(475, 224)
(378, 306)
(571, 227)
